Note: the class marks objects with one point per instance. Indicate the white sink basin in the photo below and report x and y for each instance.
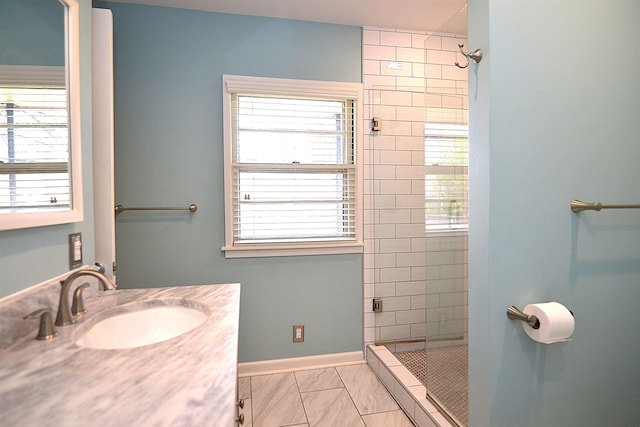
(142, 323)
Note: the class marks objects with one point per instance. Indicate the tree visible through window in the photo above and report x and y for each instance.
(446, 179)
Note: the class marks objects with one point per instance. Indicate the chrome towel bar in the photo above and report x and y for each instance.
(579, 206)
(191, 208)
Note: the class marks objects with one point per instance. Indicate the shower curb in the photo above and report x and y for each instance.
(408, 391)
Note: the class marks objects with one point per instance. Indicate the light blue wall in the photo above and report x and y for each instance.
(32, 32)
(554, 116)
(168, 146)
(33, 255)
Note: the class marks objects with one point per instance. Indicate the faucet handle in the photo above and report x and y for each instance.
(46, 331)
(77, 307)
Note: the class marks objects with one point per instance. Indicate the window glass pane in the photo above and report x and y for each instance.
(273, 222)
(282, 130)
(277, 206)
(287, 113)
(446, 180)
(447, 199)
(34, 149)
(274, 147)
(302, 186)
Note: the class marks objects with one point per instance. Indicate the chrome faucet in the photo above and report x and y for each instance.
(64, 316)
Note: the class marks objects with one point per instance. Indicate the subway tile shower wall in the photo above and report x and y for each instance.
(407, 76)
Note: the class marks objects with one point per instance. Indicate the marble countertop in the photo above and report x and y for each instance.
(189, 380)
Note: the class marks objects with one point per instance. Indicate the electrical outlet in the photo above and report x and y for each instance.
(75, 250)
(298, 333)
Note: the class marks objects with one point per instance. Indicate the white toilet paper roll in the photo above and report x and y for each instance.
(556, 322)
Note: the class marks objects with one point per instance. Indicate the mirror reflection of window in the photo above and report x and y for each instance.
(34, 149)
(39, 70)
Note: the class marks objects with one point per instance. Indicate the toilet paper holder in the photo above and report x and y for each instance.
(514, 313)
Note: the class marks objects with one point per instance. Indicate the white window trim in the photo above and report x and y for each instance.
(54, 76)
(72, 80)
(301, 88)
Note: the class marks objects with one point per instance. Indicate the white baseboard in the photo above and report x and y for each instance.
(265, 367)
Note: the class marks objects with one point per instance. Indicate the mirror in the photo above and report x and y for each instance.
(40, 161)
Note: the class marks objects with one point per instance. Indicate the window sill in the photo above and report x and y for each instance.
(254, 251)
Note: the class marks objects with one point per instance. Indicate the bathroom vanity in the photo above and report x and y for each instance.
(188, 380)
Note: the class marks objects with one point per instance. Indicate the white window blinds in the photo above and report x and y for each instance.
(34, 149)
(446, 179)
(293, 169)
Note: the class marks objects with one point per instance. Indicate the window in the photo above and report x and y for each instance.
(34, 148)
(292, 173)
(446, 180)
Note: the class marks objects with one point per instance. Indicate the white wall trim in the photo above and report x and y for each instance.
(265, 367)
(103, 140)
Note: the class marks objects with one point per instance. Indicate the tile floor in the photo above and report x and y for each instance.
(338, 396)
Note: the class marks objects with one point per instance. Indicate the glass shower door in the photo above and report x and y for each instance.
(446, 225)
(446, 219)
(418, 213)
(397, 215)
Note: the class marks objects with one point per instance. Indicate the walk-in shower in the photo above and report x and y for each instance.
(420, 234)
(417, 218)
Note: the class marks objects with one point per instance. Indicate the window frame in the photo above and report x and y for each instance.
(71, 76)
(289, 88)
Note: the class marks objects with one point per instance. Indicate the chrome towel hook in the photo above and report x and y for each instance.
(476, 56)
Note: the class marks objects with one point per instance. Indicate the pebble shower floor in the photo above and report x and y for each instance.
(448, 376)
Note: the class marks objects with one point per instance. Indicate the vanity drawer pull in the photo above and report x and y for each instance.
(240, 419)
(241, 403)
